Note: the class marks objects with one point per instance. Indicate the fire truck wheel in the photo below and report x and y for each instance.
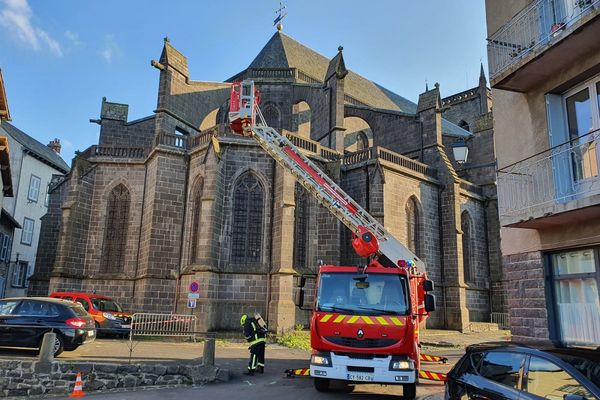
(322, 384)
(409, 391)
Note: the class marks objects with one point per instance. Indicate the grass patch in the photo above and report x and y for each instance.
(296, 339)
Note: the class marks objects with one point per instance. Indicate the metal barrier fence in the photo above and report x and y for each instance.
(175, 325)
(501, 319)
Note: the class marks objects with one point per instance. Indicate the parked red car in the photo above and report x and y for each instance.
(108, 315)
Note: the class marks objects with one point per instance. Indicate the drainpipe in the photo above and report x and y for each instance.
(442, 267)
(268, 299)
(486, 204)
(186, 160)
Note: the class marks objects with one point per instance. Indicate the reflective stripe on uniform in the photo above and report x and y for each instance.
(259, 340)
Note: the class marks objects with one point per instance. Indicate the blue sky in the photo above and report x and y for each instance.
(60, 57)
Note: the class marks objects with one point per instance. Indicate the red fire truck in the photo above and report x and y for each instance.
(365, 319)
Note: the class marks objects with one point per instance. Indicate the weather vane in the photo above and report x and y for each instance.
(281, 13)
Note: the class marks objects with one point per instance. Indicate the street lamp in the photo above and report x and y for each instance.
(460, 150)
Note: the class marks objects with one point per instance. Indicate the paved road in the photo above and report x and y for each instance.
(274, 385)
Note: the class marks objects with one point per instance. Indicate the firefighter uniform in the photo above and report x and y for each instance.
(255, 335)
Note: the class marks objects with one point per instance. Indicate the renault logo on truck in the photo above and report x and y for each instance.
(360, 333)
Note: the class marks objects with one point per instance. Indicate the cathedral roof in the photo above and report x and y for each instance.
(36, 148)
(281, 51)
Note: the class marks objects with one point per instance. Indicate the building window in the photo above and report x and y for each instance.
(272, 116)
(4, 247)
(115, 234)
(464, 124)
(247, 225)
(413, 227)
(196, 214)
(574, 277)
(300, 227)
(27, 231)
(34, 188)
(21, 274)
(467, 238)
(583, 123)
(362, 141)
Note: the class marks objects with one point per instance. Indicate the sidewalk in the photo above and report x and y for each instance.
(455, 339)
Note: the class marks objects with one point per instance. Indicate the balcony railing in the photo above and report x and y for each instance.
(567, 172)
(386, 155)
(115, 152)
(533, 28)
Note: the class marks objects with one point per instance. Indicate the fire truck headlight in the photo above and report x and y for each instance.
(401, 364)
(320, 360)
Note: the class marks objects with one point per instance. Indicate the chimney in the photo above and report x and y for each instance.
(55, 145)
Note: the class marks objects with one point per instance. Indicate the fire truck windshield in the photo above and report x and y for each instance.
(372, 294)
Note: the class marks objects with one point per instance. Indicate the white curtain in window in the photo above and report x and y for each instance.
(579, 311)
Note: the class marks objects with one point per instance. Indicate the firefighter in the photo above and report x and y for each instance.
(255, 335)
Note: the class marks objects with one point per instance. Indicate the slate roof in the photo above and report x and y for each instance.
(281, 51)
(36, 148)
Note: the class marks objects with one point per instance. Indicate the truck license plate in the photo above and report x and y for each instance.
(90, 333)
(126, 326)
(361, 377)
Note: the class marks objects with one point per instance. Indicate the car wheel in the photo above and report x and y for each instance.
(409, 391)
(59, 345)
(322, 385)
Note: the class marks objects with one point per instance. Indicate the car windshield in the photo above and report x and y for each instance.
(106, 305)
(372, 294)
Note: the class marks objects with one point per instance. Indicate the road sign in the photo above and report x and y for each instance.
(194, 287)
(193, 296)
(191, 303)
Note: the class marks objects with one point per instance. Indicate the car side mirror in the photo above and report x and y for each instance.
(572, 396)
(299, 298)
(428, 285)
(429, 302)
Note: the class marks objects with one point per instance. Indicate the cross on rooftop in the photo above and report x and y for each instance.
(281, 14)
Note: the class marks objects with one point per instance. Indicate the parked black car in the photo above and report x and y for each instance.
(25, 320)
(516, 371)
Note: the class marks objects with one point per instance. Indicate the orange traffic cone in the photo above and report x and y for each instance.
(77, 390)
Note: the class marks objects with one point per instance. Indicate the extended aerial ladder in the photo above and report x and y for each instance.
(370, 237)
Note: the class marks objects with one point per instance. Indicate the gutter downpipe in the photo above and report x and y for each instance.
(268, 298)
(137, 264)
(442, 267)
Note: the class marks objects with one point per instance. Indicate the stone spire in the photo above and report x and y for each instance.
(337, 66)
(482, 79)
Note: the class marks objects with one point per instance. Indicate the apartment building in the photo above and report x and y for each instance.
(544, 60)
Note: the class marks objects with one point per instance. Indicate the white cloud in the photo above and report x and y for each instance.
(16, 17)
(110, 49)
(73, 37)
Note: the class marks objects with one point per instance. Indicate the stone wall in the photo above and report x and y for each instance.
(525, 290)
(26, 378)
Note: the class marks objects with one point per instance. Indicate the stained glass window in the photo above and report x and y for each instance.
(300, 227)
(247, 225)
(413, 227)
(115, 234)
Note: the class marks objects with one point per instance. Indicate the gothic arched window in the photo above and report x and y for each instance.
(247, 224)
(413, 227)
(362, 141)
(196, 213)
(272, 116)
(300, 227)
(115, 231)
(467, 237)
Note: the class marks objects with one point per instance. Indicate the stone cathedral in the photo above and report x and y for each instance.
(175, 197)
